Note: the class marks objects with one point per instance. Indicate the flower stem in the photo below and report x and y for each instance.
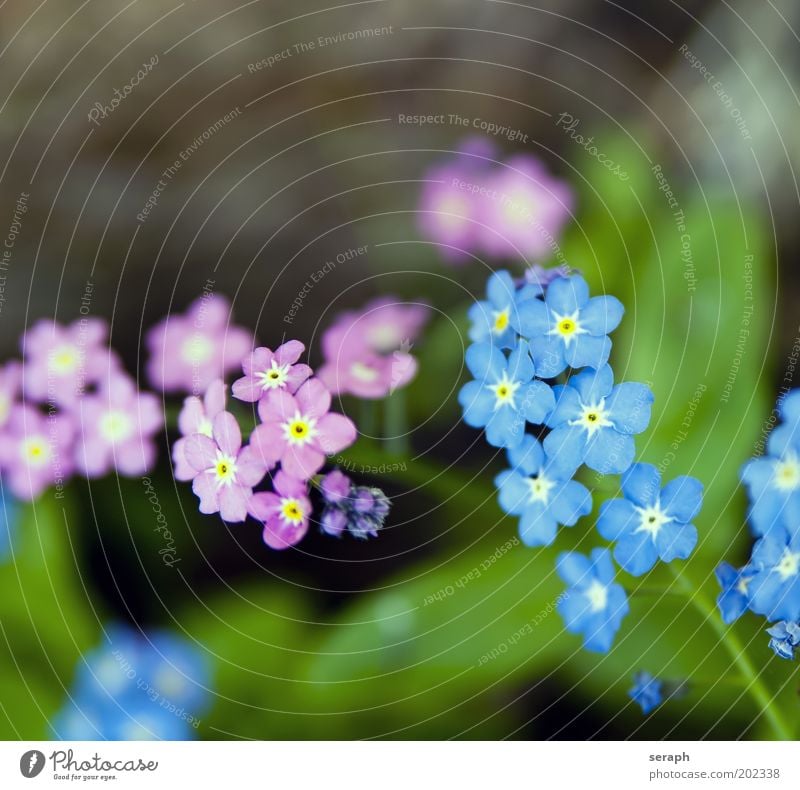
(734, 646)
(395, 423)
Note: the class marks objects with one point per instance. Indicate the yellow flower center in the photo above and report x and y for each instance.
(787, 473)
(651, 519)
(275, 377)
(225, 469)
(504, 391)
(35, 451)
(197, 349)
(500, 321)
(593, 417)
(299, 430)
(63, 360)
(116, 426)
(567, 327)
(292, 511)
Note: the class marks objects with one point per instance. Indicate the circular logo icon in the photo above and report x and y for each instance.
(31, 763)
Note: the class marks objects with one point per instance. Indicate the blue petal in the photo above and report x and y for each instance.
(538, 526)
(602, 315)
(682, 498)
(481, 323)
(567, 406)
(636, 553)
(574, 610)
(477, 402)
(593, 385)
(574, 568)
(609, 452)
(676, 541)
(618, 517)
(599, 634)
(513, 492)
(587, 351)
(566, 448)
(520, 365)
(536, 402)
(500, 290)
(790, 407)
(757, 474)
(571, 501)
(629, 407)
(732, 605)
(767, 552)
(505, 428)
(783, 438)
(531, 318)
(527, 457)
(548, 356)
(603, 567)
(485, 361)
(642, 484)
(566, 295)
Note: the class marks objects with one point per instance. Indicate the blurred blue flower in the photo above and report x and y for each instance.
(540, 495)
(734, 598)
(503, 395)
(785, 638)
(491, 319)
(594, 422)
(651, 523)
(568, 329)
(593, 605)
(135, 687)
(775, 586)
(646, 691)
(9, 513)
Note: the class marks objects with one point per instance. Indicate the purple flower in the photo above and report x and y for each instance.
(10, 387)
(35, 451)
(61, 363)
(359, 509)
(366, 351)
(284, 512)
(336, 487)
(265, 370)
(299, 431)
(197, 416)
(117, 425)
(525, 211)
(188, 351)
(225, 471)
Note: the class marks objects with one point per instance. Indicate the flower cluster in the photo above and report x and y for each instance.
(349, 507)
(769, 583)
(69, 407)
(646, 691)
(476, 205)
(525, 334)
(137, 687)
(367, 351)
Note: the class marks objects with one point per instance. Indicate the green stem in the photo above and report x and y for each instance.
(368, 418)
(395, 423)
(736, 649)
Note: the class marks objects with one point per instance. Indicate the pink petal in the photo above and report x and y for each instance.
(280, 535)
(227, 433)
(247, 389)
(149, 414)
(135, 457)
(296, 376)
(191, 415)
(313, 398)
(92, 457)
(329, 376)
(403, 369)
(256, 362)
(205, 487)
(182, 469)
(289, 486)
(289, 352)
(302, 462)
(233, 503)
(277, 406)
(201, 452)
(250, 467)
(214, 399)
(264, 505)
(268, 443)
(335, 433)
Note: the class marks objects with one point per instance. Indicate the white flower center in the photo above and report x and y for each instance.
(593, 417)
(652, 519)
(197, 349)
(224, 470)
(274, 377)
(5, 407)
(786, 475)
(64, 359)
(292, 511)
(35, 451)
(454, 212)
(205, 427)
(362, 372)
(597, 595)
(567, 327)
(789, 564)
(116, 426)
(504, 391)
(384, 338)
(300, 430)
(540, 488)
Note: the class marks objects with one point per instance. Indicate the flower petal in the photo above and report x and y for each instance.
(485, 361)
(227, 433)
(601, 315)
(682, 498)
(313, 398)
(566, 295)
(201, 452)
(335, 433)
(629, 407)
(642, 484)
(289, 352)
(233, 501)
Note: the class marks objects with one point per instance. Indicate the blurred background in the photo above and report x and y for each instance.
(235, 153)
